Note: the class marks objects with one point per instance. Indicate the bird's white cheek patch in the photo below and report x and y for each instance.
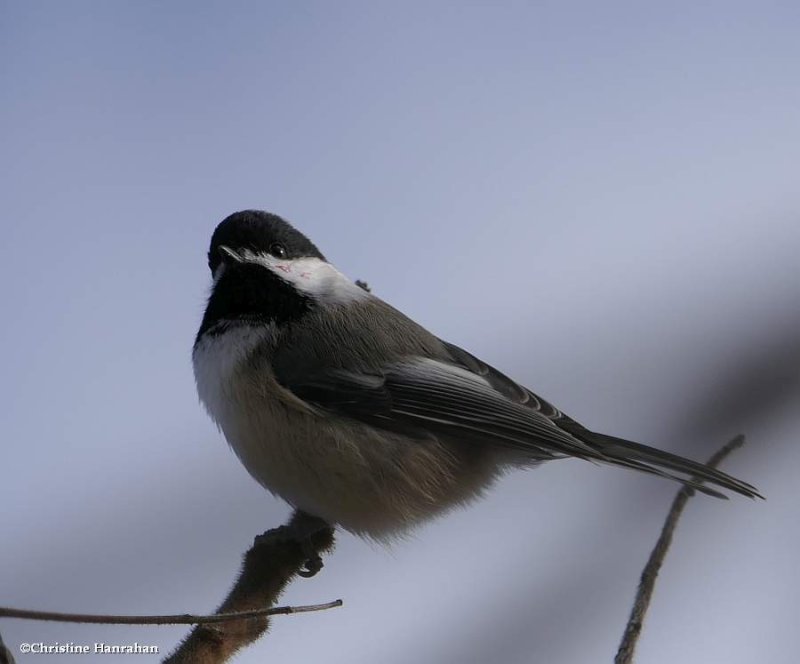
(314, 277)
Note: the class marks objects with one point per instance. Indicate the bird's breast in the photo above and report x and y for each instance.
(369, 481)
(217, 360)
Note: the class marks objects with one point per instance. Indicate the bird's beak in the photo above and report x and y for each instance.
(229, 255)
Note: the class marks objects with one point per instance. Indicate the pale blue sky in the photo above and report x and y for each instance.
(599, 198)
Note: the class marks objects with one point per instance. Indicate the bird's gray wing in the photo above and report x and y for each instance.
(421, 396)
(614, 450)
(466, 400)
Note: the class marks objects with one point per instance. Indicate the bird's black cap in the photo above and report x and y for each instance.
(257, 230)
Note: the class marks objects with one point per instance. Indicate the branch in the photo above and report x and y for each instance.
(174, 619)
(650, 573)
(275, 558)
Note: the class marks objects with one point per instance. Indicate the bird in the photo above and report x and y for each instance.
(358, 416)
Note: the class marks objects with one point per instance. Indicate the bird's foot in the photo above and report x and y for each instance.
(302, 530)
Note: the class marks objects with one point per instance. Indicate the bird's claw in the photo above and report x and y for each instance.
(311, 566)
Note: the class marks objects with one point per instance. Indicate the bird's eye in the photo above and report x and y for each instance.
(278, 250)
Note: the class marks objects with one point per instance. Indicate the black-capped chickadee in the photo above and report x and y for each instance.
(352, 412)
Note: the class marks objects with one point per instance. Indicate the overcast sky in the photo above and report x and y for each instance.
(601, 199)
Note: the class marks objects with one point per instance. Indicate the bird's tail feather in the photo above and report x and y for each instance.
(621, 452)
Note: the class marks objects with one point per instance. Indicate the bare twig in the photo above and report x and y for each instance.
(274, 559)
(648, 580)
(174, 619)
